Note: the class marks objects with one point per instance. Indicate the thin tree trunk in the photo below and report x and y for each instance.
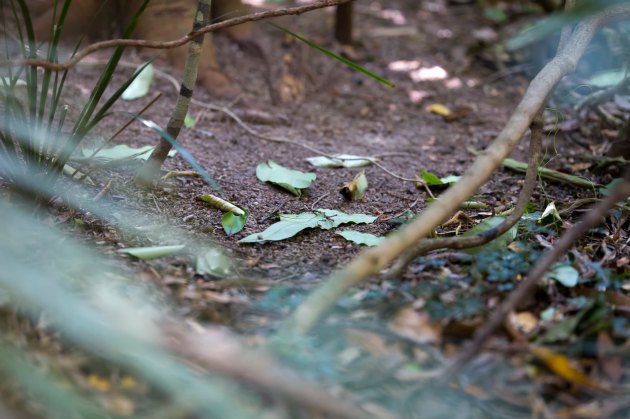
(151, 169)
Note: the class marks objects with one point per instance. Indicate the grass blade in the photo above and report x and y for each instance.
(337, 57)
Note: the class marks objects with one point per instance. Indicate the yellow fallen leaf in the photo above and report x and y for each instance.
(561, 366)
(99, 383)
(439, 109)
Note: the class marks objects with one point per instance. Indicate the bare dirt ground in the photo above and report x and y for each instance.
(429, 51)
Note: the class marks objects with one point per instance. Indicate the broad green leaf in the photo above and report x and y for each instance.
(348, 161)
(140, 85)
(120, 152)
(291, 180)
(232, 223)
(291, 224)
(499, 243)
(355, 189)
(430, 179)
(450, 179)
(361, 238)
(213, 262)
(605, 190)
(338, 217)
(152, 252)
(567, 275)
(288, 226)
(337, 57)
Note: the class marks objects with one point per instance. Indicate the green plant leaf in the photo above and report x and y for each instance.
(213, 262)
(565, 274)
(498, 243)
(232, 223)
(189, 121)
(152, 252)
(141, 85)
(291, 224)
(430, 179)
(345, 61)
(121, 152)
(291, 180)
(348, 161)
(360, 238)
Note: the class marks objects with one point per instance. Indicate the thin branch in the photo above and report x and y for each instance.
(466, 242)
(371, 261)
(298, 10)
(525, 289)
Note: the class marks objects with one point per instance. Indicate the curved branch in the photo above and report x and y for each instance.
(466, 242)
(373, 260)
(298, 10)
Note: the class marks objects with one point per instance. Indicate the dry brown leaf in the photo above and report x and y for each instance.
(525, 322)
(417, 326)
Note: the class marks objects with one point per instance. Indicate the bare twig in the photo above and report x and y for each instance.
(461, 242)
(528, 286)
(298, 10)
(373, 260)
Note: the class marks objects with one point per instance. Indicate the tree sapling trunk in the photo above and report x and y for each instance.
(343, 23)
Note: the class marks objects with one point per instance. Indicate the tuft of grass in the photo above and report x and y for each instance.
(36, 137)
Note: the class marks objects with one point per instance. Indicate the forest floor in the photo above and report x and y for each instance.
(382, 334)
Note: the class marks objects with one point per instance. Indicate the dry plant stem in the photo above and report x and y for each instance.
(149, 172)
(373, 260)
(591, 219)
(298, 10)
(227, 356)
(460, 242)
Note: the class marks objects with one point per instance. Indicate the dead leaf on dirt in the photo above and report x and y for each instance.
(438, 109)
(562, 367)
(355, 189)
(417, 326)
(611, 366)
(368, 341)
(525, 322)
(580, 166)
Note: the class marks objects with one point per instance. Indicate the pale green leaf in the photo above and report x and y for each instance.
(498, 243)
(355, 189)
(189, 121)
(550, 215)
(608, 78)
(348, 161)
(361, 238)
(141, 85)
(152, 252)
(291, 224)
(565, 274)
(213, 262)
(291, 180)
(120, 153)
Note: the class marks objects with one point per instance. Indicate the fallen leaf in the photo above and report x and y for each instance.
(417, 326)
(348, 161)
(498, 243)
(361, 238)
(291, 224)
(291, 180)
(141, 84)
(152, 252)
(213, 262)
(355, 189)
(565, 274)
(438, 109)
(561, 366)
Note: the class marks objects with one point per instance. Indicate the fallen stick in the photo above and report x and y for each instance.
(372, 261)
